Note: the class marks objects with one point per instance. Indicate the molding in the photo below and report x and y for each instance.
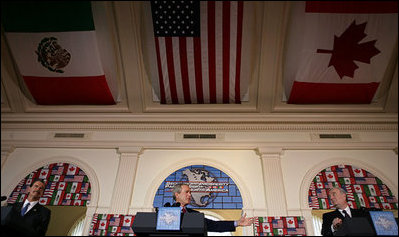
(203, 126)
(130, 149)
(269, 152)
(201, 122)
(209, 145)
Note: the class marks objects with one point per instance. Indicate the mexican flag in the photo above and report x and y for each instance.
(56, 48)
(339, 52)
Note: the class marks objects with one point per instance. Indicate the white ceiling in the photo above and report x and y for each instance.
(265, 103)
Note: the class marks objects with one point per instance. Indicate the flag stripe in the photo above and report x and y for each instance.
(326, 93)
(184, 69)
(191, 69)
(226, 51)
(69, 90)
(177, 69)
(160, 75)
(211, 52)
(352, 6)
(171, 68)
(218, 37)
(240, 13)
(198, 70)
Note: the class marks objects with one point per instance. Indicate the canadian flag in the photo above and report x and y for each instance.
(72, 170)
(266, 227)
(359, 172)
(358, 188)
(331, 176)
(44, 174)
(291, 222)
(127, 221)
(339, 52)
(44, 201)
(61, 186)
(103, 224)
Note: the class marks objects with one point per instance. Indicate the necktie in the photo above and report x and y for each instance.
(23, 211)
(346, 214)
(184, 210)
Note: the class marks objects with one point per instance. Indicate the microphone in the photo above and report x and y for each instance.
(177, 204)
(167, 204)
(3, 198)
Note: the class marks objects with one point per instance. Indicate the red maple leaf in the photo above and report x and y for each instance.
(348, 49)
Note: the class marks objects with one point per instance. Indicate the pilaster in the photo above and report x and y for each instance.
(5, 153)
(124, 183)
(273, 181)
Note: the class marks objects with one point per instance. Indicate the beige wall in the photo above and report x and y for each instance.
(273, 170)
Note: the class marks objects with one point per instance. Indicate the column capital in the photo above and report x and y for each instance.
(129, 149)
(261, 151)
(7, 149)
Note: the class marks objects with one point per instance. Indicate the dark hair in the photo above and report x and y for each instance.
(177, 189)
(37, 180)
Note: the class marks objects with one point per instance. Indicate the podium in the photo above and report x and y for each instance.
(5, 210)
(356, 226)
(191, 224)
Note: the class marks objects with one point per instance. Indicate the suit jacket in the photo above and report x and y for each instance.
(330, 216)
(216, 226)
(34, 222)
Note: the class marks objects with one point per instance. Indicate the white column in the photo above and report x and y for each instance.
(307, 214)
(273, 181)
(124, 183)
(5, 153)
(88, 218)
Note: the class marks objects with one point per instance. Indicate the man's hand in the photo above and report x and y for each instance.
(243, 221)
(337, 222)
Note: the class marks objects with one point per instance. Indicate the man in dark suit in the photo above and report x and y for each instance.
(332, 221)
(182, 195)
(29, 217)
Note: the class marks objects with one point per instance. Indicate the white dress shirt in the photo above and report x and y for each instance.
(31, 204)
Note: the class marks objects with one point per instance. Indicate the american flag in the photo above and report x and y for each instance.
(115, 221)
(278, 223)
(48, 192)
(384, 190)
(296, 231)
(58, 170)
(73, 178)
(198, 49)
(13, 197)
(314, 202)
(84, 188)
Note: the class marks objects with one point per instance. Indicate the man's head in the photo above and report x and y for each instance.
(36, 190)
(338, 197)
(182, 194)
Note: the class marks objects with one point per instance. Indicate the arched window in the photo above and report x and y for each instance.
(364, 190)
(77, 228)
